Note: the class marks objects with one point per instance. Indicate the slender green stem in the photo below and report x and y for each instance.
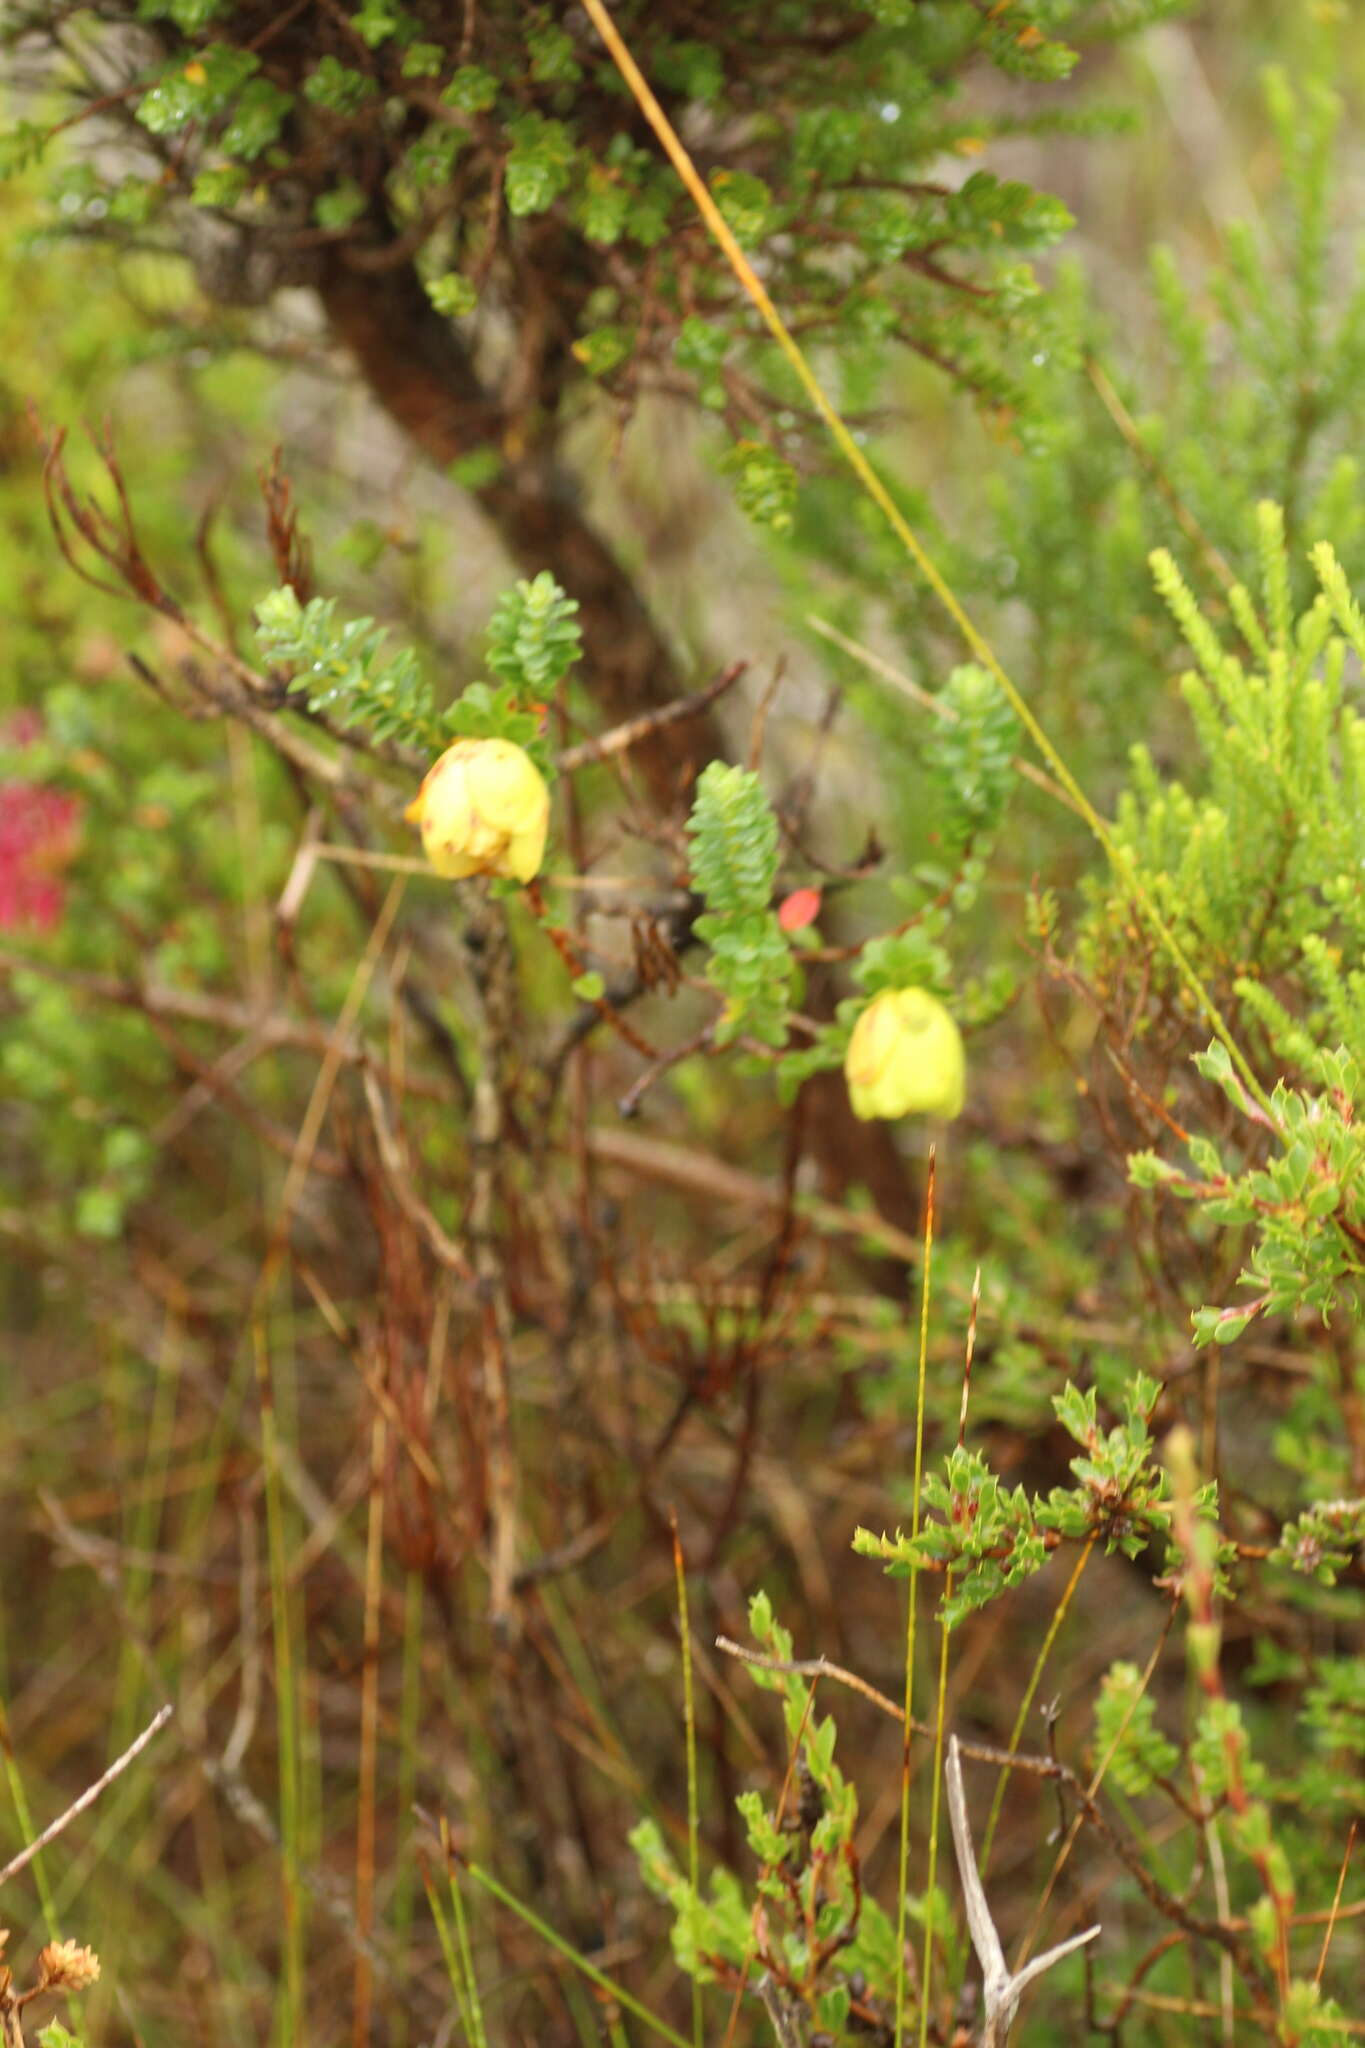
(453, 1962)
(410, 1702)
(1026, 1704)
(571, 1955)
(26, 1829)
(903, 1861)
(690, 1728)
(1097, 1779)
(143, 1514)
(480, 2035)
(935, 1808)
(287, 1702)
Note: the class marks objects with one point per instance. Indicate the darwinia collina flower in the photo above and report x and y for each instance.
(483, 809)
(905, 1058)
(38, 833)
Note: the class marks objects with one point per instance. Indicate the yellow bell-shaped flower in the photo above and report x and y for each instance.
(905, 1058)
(483, 809)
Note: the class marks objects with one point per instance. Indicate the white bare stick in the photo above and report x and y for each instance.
(989, 1953)
(89, 1796)
(1002, 1992)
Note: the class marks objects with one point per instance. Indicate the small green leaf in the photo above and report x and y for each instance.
(225, 185)
(99, 1212)
(256, 119)
(765, 484)
(746, 203)
(55, 2035)
(539, 164)
(339, 208)
(337, 87)
(472, 90)
(603, 349)
(452, 294)
(423, 60)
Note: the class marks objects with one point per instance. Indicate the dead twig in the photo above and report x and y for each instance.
(1220, 1933)
(713, 1179)
(629, 1104)
(1002, 1989)
(928, 702)
(441, 1244)
(622, 737)
(89, 1796)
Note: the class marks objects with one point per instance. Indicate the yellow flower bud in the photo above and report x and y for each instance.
(483, 809)
(905, 1057)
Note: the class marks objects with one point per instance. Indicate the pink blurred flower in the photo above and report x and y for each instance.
(38, 833)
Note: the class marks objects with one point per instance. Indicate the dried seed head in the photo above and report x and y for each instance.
(66, 1966)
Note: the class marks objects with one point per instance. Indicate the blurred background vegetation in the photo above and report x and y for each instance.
(378, 1314)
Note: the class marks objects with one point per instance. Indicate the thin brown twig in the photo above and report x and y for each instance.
(935, 705)
(1050, 1768)
(701, 1041)
(310, 1130)
(369, 1737)
(233, 685)
(622, 737)
(1169, 1940)
(1180, 511)
(567, 949)
(267, 1033)
(215, 1082)
(1259, 2016)
(821, 1667)
(89, 1796)
(713, 1179)
(759, 723)
(494, 1028)
(438, 1239)
(1334, 1915)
